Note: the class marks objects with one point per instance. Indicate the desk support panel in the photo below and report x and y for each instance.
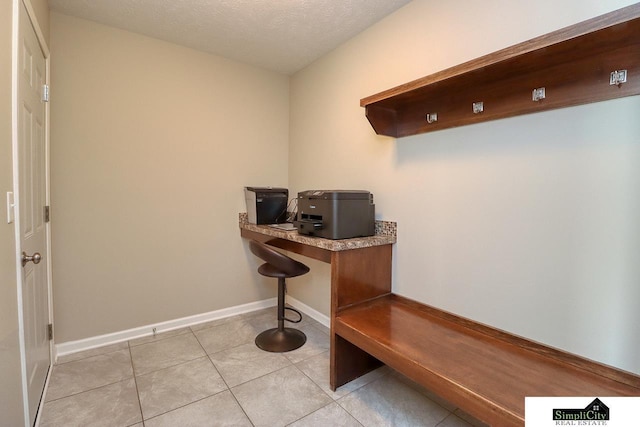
(357, 276)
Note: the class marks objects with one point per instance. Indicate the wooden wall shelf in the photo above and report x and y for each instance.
(573, 64)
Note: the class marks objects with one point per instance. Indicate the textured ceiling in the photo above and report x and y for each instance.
(281, 35)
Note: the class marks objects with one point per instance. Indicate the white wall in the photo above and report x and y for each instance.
(152, 144)
(528, 224)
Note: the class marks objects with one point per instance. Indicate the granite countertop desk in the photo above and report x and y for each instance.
(385, 234)
(360, 271)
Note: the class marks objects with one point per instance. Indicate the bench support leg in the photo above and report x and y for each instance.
(349, 362)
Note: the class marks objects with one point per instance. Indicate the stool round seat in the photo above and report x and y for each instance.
(280, 266)
(269, 270)
(277, 264)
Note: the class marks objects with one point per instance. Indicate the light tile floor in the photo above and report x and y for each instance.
(213, 375)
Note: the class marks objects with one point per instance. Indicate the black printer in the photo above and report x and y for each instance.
(335, 214)
(266, 205)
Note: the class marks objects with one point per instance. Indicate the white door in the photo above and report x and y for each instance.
(31, 204)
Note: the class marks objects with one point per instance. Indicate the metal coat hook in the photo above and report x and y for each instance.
(432, 117)
(618, 77)
(478, 107)
(538, 94)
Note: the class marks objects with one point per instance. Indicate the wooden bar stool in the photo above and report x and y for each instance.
(279, 339)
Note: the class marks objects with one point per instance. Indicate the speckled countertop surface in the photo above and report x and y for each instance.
(328, 244)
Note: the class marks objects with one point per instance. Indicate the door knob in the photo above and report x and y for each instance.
(35, 258)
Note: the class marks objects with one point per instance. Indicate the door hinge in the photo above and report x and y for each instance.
(50, 331)
(45, 93)
(47, 214)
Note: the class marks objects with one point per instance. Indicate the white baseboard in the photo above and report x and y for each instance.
(314, 314)
(142, 331)
(70, 347)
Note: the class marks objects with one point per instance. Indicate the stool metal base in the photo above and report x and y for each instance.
(280, 340)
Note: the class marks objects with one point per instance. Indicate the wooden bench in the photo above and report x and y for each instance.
(482, 370)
